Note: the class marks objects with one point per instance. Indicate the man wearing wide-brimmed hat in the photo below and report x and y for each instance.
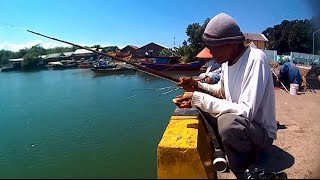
(245, 108)
(212, 74)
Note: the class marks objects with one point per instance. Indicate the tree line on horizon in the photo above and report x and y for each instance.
(33, 54)
(286, 37)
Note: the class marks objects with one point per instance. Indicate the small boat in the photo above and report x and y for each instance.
(85, 65)
(7, 69)
(166, 64)
(55, 65)
(109, 67)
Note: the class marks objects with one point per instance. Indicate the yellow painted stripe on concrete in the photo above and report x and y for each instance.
(184, 151)
(184, 117)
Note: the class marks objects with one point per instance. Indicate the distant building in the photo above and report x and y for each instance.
(151, 49)
(16, 63)
(18, 60)
(67, 55)
(84, 54)
(43, 56)
(54, 57)
(131, 49)
(258, 39)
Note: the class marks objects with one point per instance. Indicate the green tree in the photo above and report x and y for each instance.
(5, 56)
(30, 61)
(195, 32)
(166, 52)
(194, 43)
(97, 46)
(21, 53)
(111, 49)
(292, 36)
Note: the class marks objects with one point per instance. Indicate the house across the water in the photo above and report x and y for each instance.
(151, 49)
(258, 39)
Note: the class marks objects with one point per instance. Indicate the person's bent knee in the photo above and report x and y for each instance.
(227, 125)
(232, 132)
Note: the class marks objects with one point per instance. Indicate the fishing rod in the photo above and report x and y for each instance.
(137, 66)
(279, 80)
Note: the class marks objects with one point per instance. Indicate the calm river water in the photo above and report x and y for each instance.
(73, 124)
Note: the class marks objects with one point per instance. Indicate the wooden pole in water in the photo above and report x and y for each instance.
(139, 67)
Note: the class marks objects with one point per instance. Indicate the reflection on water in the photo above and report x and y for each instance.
(114, 73)
(175, 74)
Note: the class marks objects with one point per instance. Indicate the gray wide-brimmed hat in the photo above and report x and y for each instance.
(222, 29)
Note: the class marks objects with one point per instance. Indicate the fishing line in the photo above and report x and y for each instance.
(154, 75)
(13, 26)
(155, 89)
(171, 91)
(150, 91)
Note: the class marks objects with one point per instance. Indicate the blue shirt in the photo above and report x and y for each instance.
(289, 73)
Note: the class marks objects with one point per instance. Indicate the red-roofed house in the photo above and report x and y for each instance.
(131, 49)
(152, 49)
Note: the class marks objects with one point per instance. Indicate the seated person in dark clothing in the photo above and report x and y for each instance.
(289, 74)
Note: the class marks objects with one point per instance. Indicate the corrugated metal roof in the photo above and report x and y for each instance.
(54, 55)
(255, 37)
(134, 47)
(67, 54)
(16, 60)
(83, 51)
(152, 43)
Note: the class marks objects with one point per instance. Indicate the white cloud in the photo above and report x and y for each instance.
(17, 46)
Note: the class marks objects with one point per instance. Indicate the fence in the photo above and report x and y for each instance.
(306, 59)
(271, 54)
(299, 58)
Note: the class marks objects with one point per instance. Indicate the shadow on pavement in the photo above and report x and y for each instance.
(274, 159)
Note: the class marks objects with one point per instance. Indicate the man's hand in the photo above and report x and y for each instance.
(188, 83)
(183, 101)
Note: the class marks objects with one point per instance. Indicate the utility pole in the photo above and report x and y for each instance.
(313, 40)
(174, 45)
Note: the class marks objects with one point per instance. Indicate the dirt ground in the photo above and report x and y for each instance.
(297, 148)
(300, 117)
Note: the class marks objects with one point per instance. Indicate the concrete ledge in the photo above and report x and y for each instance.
(184, 150)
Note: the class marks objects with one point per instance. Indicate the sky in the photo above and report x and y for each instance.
(132, 22)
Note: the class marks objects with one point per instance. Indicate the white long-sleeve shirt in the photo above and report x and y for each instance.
(212, 66)
(248, 91)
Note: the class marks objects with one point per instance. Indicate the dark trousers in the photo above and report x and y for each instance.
(242, 140)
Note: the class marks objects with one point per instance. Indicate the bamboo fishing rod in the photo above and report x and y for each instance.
(139, 67)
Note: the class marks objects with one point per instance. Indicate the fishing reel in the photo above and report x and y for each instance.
(219, 162)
